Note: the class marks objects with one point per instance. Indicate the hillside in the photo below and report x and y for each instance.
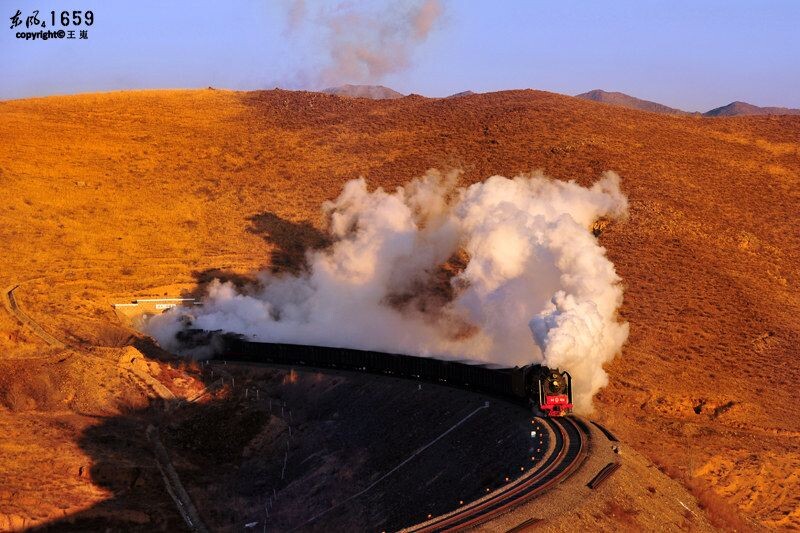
(738, 109)
(149, 193)
(624, 100)
(373, 92)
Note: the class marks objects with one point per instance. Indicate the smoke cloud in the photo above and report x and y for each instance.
(506, 271)
(364, 43)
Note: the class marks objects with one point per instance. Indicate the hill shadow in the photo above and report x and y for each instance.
(122, 464)
(289, 240)
(202, 437)
(204, 277)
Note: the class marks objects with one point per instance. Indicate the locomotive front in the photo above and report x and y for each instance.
(555, 392)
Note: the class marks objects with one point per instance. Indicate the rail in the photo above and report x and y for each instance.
(610, 436)
(12, 306)
(568, 455)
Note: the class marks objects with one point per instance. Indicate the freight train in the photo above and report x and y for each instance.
(546, 390)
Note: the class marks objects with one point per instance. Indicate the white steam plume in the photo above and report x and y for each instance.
(506, 271)
(363, 43)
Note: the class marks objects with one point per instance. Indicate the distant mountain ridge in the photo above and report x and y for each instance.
(734, 109)
(461, 94)
(373, 92)
(624, 100)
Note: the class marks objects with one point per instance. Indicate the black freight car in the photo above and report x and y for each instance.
(530, 385)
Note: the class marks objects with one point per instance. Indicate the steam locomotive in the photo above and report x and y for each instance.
(555, 392)
(545, 390)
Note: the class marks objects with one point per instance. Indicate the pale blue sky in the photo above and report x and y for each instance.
(694, 55)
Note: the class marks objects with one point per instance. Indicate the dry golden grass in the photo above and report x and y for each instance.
(147, 193)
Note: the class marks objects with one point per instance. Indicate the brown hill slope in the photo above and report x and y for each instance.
(738, 109)
(111, 195)
(631, 102)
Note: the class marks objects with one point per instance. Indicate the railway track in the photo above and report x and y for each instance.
(10, 302)
(570, 434)
(571, 447)
(569, 451)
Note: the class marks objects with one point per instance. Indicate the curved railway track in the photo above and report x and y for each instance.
(10, 302)
(569, 451)
(570, 434)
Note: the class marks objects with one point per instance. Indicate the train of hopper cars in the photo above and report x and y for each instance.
(546, 390)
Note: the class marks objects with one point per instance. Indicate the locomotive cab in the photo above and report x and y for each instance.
(555, 392)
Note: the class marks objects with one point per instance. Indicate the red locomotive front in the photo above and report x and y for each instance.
(555, 393)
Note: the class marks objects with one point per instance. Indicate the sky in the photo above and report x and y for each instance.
(693, 55)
